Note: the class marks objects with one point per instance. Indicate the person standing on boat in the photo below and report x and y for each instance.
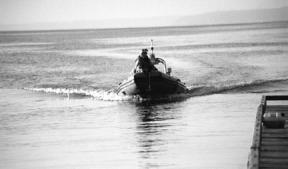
(143, 62)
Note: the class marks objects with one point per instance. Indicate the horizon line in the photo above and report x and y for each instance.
(140, 27)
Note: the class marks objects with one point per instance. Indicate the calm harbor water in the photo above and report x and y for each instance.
(57, 109)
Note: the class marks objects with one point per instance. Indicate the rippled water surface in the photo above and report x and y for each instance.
(57, 108)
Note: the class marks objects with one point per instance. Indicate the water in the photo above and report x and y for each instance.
(58, 110)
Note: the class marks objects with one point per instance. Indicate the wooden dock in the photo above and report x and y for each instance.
(269, 148)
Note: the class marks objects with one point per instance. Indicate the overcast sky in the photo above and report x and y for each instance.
(44, 11)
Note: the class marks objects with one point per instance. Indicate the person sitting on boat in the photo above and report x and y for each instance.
(143, 62)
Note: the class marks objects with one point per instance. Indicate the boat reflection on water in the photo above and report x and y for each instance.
(153, 131)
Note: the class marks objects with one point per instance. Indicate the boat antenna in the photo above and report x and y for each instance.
(152, 47)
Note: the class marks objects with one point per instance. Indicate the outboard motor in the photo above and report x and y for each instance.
(169, 71)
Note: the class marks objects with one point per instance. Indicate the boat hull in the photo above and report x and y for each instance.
(151, 84)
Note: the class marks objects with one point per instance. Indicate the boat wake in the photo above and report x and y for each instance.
(106, 95)
(76, 93)
(257, 86)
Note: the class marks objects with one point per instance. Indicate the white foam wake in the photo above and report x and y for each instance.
(97, 94)
(106, 95)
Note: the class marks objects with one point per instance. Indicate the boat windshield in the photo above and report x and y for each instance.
(162, 61)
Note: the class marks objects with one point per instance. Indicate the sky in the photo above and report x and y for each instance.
(48, 11)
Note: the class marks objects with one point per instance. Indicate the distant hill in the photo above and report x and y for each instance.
(230, 17)
(221, 17)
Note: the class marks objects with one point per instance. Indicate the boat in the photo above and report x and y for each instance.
(154, 83)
